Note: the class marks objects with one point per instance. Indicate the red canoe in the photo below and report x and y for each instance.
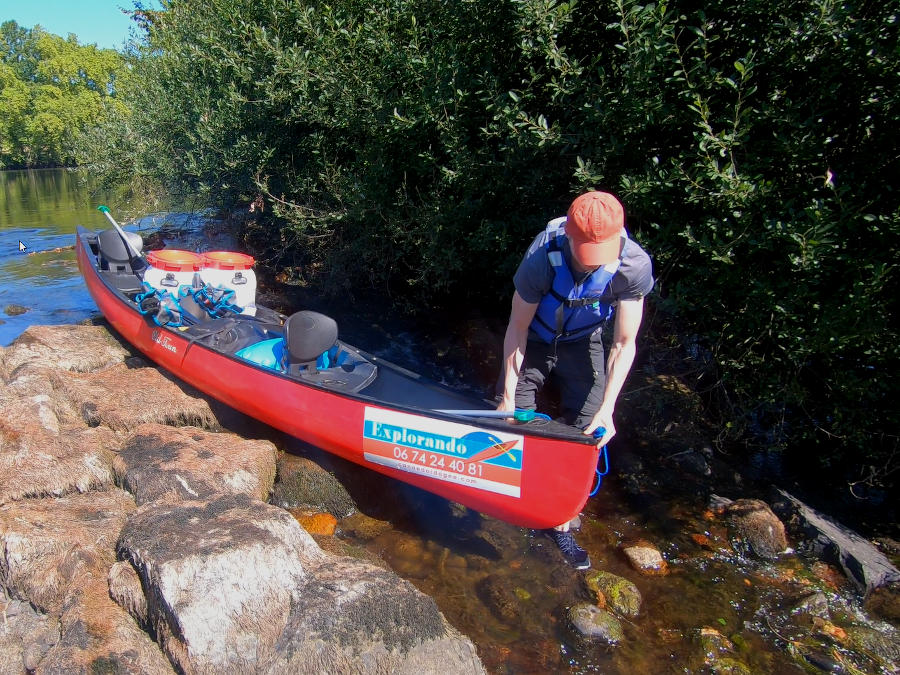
(536, 474)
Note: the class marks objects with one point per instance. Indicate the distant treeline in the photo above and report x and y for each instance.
(415, 147)
(51, 89)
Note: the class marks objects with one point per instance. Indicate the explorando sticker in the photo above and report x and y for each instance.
(446, 451)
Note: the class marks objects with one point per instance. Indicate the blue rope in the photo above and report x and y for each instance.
(215, 301)
(600, 474)
(167, 312)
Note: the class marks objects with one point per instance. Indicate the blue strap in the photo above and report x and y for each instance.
(600, 474)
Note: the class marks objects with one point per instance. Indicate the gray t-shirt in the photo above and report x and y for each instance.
(632, 281)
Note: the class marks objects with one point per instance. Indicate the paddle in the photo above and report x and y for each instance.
(518, 415)
(132, 254)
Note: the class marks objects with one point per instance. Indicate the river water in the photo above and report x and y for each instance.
(716, 610)
(39, 280)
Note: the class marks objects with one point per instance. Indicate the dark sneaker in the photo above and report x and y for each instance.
(576, 556)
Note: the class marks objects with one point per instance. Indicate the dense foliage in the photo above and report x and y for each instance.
(51, 89)
(417, 146)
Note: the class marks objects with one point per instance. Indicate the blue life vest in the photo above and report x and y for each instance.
(571, 311)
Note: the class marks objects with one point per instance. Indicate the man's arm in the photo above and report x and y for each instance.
(514, 342)
(618, 364)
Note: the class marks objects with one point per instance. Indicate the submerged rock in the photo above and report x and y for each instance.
(755, 527)
(881, 645)
(500, 597)
(363, 527)
(646, 559)
(719, 655)
(884, 602)
(619, 594)
(814, 604)
(303, 483)
(594, 623)
(315, 523)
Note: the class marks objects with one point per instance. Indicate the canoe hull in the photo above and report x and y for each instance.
(533, 481)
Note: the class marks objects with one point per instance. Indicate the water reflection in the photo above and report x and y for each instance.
(41, 209)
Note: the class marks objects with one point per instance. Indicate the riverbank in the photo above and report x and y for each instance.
(136, 537)
(130, 507)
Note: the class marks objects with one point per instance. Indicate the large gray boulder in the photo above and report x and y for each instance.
(220, 577)
(233, 584)
(355, 617)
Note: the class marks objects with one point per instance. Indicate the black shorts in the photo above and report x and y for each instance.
(579, 371)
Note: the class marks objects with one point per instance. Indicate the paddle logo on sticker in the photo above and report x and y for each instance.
(446, 451)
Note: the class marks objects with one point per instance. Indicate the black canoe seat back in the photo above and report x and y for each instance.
(307, 335)
(114, 258)
(315, 354)
(113, 254)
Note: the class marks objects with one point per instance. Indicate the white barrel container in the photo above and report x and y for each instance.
(170, 268)
(235, 271)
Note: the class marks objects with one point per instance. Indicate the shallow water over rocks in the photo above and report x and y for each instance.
(509, 590)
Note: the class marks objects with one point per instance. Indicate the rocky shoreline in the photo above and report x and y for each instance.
(138, 535)
(135, 536)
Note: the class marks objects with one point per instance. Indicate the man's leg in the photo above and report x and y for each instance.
(539, 361)
(581, 372)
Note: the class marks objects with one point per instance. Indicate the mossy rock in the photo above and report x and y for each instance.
(300, 482)
(621, 596)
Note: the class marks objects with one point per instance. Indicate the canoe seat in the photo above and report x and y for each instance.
(113, 254)
(114, 262)
(311, 352)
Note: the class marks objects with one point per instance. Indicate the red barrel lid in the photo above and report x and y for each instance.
(228, 260)
(175, 260)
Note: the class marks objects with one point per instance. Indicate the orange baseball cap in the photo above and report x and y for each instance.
(594, 227)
